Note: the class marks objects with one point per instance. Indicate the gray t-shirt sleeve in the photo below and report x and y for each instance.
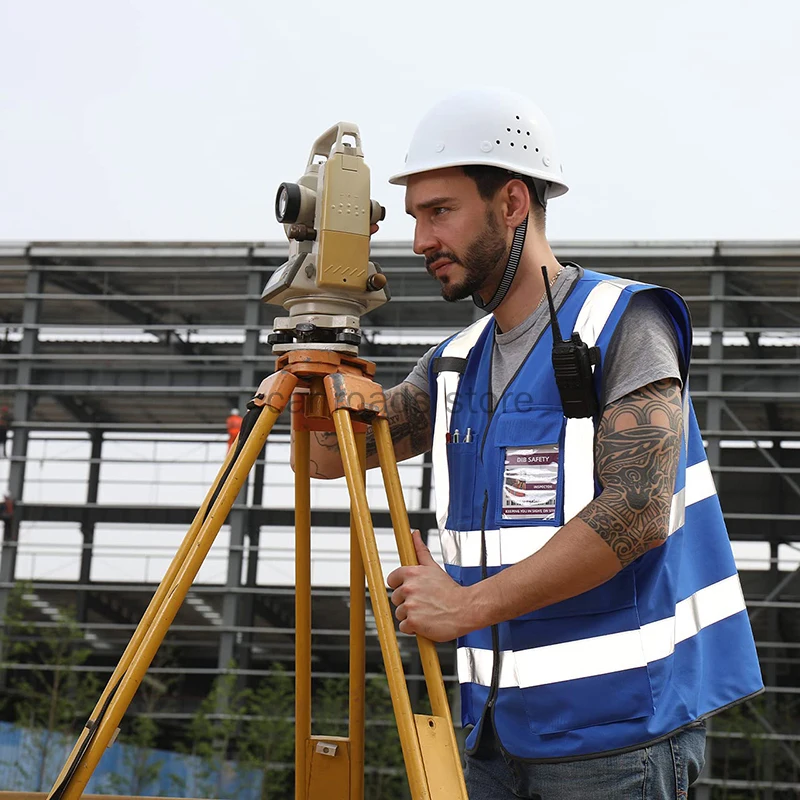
(419, 375)
(644, 348)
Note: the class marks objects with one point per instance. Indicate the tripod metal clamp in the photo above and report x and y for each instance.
(362, 397)
(275, 391)
(302, 422)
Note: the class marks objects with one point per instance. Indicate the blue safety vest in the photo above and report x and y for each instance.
(664, 642)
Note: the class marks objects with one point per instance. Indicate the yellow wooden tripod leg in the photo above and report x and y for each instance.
(442, 760)
(171, 593)
(334, 783)
(302, 610)
(149, 615)
(406, 724)
(357, 647)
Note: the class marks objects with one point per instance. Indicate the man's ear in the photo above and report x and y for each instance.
(517, 203)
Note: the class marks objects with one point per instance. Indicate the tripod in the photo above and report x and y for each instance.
(341, 396)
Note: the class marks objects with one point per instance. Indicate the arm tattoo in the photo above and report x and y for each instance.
(409, 421)
(327, 441)
(636, 457)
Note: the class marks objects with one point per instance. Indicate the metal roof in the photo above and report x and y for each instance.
(190, 306)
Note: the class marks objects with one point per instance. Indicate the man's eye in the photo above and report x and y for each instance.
(438, 211)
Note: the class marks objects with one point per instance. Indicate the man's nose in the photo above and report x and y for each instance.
(424, 240)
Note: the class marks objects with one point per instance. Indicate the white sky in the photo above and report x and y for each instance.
(177, 119)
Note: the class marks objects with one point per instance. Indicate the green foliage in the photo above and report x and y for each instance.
(47, 692)
(140, 766)
(253, 728)
(213, 732)
(383, 757)
(266, 743)
(746, 754)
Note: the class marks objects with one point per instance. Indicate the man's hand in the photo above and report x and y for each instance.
(429, 602)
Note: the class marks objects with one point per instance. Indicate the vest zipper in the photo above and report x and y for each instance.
(495, 634)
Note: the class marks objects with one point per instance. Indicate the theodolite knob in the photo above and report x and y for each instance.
(376, 282)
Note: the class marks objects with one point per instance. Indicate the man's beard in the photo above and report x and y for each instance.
(486, 254)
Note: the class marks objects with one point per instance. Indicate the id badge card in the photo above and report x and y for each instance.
(530, 482)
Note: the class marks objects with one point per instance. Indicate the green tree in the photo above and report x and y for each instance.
(47, 690)
(213, 732)
(142, 767)
(266, 742)
(383, 757)
(254, 729)
(743, 756)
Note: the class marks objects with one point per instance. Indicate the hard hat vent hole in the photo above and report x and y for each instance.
(508, 129)
(498, 141)
(518, 130)
(528, 132)
(517, 116)
(511, 143)
(537, 149)
(524, 147)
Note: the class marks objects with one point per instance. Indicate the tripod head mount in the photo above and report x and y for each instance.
(328, 281)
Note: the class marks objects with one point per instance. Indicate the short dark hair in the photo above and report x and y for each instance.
(490, 180)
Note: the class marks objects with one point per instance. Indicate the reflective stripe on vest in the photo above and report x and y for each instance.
(510, 545)
(446, 388)
(615, 652)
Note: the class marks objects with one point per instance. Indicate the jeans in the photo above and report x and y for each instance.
(663, 771)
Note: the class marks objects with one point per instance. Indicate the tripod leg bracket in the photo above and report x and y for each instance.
(275, 390)
(361, 396)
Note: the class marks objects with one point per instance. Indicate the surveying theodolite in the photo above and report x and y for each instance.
(327, 283)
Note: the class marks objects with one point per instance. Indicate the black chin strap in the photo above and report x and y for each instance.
(510, 271)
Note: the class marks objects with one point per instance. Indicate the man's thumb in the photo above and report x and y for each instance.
(423, 553)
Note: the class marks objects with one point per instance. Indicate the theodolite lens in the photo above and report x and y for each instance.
(287, 203)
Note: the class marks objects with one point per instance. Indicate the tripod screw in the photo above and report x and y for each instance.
(305, 332)
(349, 336)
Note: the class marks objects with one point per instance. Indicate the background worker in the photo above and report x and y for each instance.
(233, 424)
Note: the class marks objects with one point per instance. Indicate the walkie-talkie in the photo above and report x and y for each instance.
(573, 360)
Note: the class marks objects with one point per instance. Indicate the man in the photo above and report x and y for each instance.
(589, 578)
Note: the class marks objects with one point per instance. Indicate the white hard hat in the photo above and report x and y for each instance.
(493, 127)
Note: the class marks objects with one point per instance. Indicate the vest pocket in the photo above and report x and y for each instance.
(530, 475)
(598, 679)
(461, 466)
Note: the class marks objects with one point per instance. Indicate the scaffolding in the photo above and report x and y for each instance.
(106, 347)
